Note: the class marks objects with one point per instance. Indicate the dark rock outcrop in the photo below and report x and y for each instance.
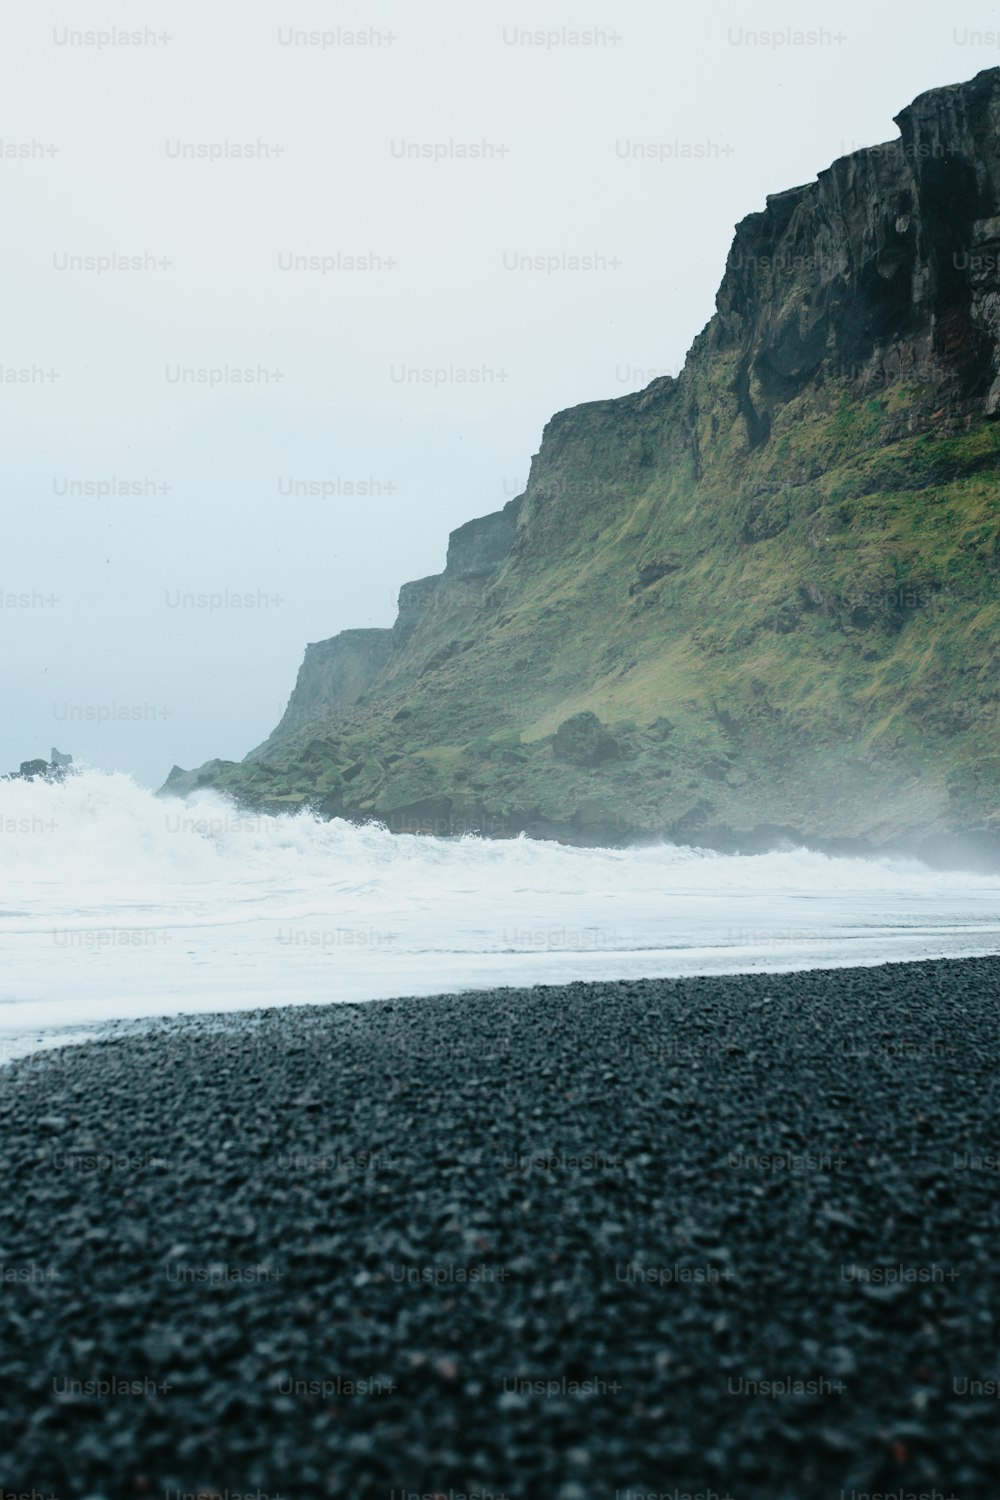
(44, 770)
(583, 741)
(32, 768)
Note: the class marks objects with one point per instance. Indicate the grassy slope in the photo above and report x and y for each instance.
(836, 587)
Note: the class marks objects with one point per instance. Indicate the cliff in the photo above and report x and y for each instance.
(759, 599)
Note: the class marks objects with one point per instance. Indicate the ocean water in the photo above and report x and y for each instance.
(118, 905)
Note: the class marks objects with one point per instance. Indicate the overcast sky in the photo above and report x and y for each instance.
(124, 377)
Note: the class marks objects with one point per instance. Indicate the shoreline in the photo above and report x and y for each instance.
(18, 1044)
(730, 1233)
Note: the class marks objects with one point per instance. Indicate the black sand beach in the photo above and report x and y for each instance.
(731, 1237)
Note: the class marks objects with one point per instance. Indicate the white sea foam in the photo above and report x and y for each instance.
(117, 904)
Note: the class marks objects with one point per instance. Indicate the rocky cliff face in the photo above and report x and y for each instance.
(761, 597)
(883, 269)
(333, 678)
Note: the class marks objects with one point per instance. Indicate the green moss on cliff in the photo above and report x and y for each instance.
(853, 607)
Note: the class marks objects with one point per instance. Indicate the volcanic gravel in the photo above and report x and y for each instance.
(712, 1237)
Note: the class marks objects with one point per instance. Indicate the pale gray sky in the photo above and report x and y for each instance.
(101, 655)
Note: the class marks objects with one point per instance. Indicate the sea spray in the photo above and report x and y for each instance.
(120, 904)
